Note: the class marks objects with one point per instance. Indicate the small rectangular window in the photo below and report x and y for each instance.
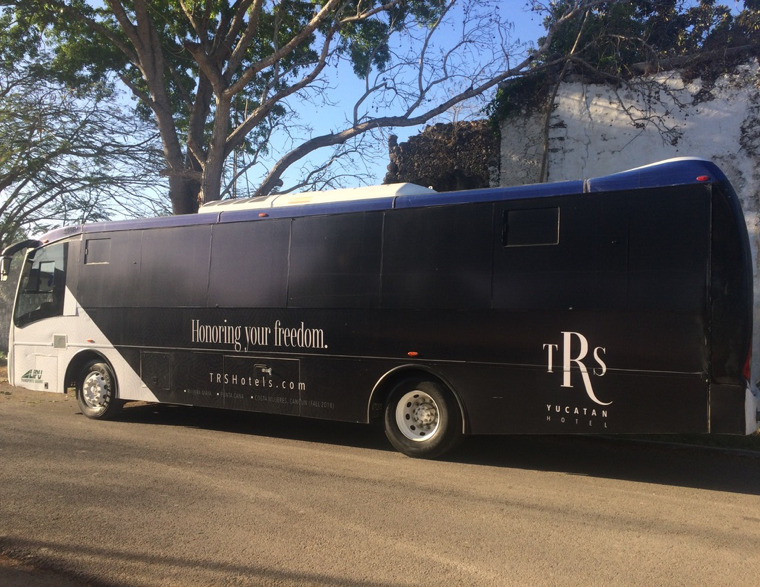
(533, 227)
(97, 250)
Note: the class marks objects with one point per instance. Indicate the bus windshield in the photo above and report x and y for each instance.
(42, 285)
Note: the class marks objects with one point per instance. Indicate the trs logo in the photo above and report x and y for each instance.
(577, 353)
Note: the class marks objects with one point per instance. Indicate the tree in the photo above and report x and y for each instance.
(218, 77)
(66, 158)
(620, 43)
(614, 42)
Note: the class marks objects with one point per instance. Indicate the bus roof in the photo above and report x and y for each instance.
(681, 171)
(372, 192)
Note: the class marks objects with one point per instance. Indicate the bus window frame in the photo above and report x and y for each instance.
(55, 287)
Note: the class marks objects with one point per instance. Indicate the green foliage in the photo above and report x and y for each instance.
(366, 46)
(218, 79)
(197, 66)
(618, 40)
(521, 94)
(84, 54)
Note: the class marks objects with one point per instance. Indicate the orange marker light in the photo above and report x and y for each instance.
(413, 353)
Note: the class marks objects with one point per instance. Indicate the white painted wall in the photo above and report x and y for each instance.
(596, 130)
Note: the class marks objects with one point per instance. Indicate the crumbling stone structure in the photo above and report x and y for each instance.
(447, 157)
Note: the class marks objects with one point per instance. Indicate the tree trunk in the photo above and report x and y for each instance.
(211, 180)
(183, 193)
(213, 165)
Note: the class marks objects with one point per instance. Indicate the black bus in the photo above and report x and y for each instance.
(621, 304)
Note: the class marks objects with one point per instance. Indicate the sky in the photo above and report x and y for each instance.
(527, 29)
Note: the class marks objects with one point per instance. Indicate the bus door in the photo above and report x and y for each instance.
(35, 333)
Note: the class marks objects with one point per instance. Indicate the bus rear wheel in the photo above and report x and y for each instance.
(96, 391)
(422, 419)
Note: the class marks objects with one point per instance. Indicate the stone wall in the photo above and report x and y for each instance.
(447, 157)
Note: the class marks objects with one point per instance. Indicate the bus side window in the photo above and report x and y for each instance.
(97, 251)
(43, 285)
(335, 261)
(532, 227)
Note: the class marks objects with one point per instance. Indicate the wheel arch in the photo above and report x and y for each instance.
(387, 383)
(77, 363)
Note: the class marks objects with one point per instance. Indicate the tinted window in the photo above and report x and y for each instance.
(42, 285)
(438, 257)
(109, 270)
(538, 226)
(249, 264)
(335, 261)
(97, 250)
(584, 266)
(174, 267)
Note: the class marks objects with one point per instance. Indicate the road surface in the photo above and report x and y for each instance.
(178, 496)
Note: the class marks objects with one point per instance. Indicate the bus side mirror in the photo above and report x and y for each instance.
(5, 268)
(7, 256)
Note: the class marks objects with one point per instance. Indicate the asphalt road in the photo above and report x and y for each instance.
(179, 496)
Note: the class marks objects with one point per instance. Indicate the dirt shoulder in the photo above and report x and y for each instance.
(14, 573)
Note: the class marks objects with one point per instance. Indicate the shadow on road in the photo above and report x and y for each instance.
(624, 458)
(620, 457)
(45, 572)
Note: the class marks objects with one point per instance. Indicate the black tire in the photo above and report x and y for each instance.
(422, 419)
(97, 393)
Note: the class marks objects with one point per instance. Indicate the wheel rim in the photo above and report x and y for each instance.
(417, 416)
(96, 390)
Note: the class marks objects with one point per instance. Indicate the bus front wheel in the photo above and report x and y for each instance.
(96, 391)
(422, 419)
